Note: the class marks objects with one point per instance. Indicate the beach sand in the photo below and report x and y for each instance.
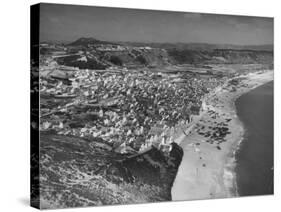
(207, 167)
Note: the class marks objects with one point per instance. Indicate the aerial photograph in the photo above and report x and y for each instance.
(141, 106)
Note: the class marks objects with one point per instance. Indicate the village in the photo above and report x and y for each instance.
(130, 110)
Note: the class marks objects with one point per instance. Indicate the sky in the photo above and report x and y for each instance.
(67, 23)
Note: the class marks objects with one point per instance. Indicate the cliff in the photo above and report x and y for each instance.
(76, 172)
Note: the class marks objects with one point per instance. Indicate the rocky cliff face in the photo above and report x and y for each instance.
(75, 172)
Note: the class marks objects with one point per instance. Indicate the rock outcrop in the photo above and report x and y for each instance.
(76, 172)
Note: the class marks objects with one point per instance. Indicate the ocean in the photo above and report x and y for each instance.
(254, 159)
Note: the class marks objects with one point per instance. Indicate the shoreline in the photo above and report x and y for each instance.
(208, 163)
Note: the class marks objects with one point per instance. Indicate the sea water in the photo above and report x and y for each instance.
(254, 159)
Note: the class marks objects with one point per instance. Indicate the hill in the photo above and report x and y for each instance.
(220, 56)
(202, 46)
(100, 176)
(92, 53)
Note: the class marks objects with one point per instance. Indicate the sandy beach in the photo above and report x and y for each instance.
(207, 167)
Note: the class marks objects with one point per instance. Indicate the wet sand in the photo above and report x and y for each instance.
(207, 167)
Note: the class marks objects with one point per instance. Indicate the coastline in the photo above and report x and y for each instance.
(207, 167)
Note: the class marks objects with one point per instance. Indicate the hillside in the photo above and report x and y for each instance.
(91, 53)
(220, 56)
(202, 46)
(88, 41)
(100, 176)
